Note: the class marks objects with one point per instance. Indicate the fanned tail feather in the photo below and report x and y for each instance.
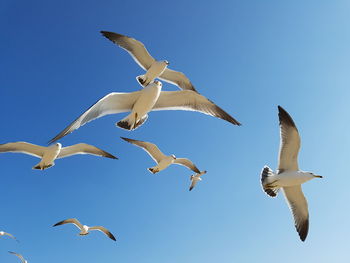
(265, 174)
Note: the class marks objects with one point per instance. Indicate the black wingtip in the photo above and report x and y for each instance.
(284, 117)
(111, 156)
(303, 230)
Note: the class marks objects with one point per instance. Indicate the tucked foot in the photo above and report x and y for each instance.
(153, 170)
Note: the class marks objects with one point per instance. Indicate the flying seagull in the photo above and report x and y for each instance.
(151, 98)
(154, 69)
(162, 160)
(20, 257)
(195, 178)
(53, 152)
(84, 230)
(288, 176)
(2, 233)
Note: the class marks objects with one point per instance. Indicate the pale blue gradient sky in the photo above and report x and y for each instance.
(248, 57)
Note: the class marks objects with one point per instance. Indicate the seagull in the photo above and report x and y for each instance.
(195, 178)
(154, 69)
(2, 233)
(288, 176)
(52, 152)
(20, 256)
(151, 98)
(84, 230)
(162, 160)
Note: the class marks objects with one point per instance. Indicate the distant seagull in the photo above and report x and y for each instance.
(288, 176)
(154, 68)
(20, 256)
(151, 98)
(53, 152)
(2, 233)
(195, 178)
(85, 229)
(162, 160)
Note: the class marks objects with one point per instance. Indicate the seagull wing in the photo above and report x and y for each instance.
(104, 230)
(18, 255)
(150, 148)
(177, 78)
(73, 221)
(8, 234)
(23, 147)
(83, 148)
(134, 47)
(193, 184)
(290, 142)
(298, 205)
(186, 162)
(191, 101)
(110, 104)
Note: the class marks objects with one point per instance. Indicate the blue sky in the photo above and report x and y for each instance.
(248, 57)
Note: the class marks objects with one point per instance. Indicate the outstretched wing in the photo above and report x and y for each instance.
(110, 104)
(290, 142)
(104, 230)
(191, 101)
(83, 148)
(177, 78)
(298, 206)
(23, 147)
(186, 162)
(134, 47)
(73, 221)
(150, 148)
(19, 256)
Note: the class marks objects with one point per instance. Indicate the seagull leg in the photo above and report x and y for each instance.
(135, 120)
(270, 185)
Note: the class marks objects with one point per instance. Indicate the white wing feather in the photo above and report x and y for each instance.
(148, 147)
(23, 147)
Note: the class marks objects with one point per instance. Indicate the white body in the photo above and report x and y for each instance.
(144, 104)
(49, 156)
(147, 99)
(84, 230)
(156, 69)
(164, 163)
(289, 178)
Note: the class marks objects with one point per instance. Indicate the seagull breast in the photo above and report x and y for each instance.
(148, 98)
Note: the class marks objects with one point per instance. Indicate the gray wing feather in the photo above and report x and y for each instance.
(290, 142)
(148, 147)
(191, 101)
(103, 230)
(19, 256)
(134, 47)
(110, 104)
(23, 147)
(299, 208)
(177, 78)
(186, 162)
(83, 148)
(73, 221)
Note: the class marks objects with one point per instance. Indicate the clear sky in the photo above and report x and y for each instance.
(248, 57)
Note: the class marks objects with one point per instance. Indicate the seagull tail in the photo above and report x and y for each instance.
(142, 79)
(41, 166)
(265, 174)
(129, 122)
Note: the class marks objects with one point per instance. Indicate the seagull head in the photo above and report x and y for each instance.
(57, 145)
(158, 83)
